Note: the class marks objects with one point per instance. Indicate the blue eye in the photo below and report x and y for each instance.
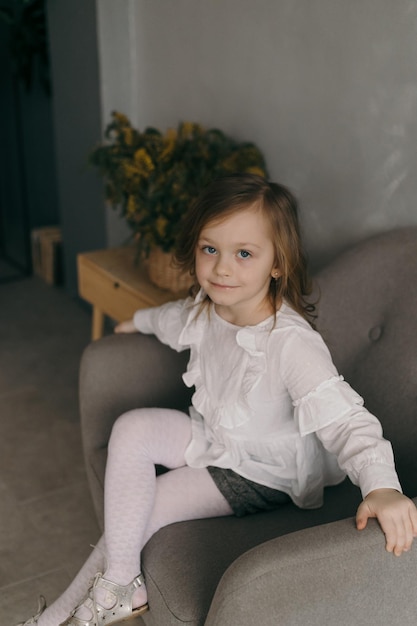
(209, 250)
(244, 254)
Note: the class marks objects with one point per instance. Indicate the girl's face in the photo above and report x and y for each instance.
(235, 260)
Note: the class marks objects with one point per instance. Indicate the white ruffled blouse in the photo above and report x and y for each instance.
(270, 405)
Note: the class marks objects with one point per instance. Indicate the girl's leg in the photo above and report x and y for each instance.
(57, 612)
(140, 439)
(184, 494)
(137, 504)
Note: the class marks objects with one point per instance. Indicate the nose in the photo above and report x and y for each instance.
(222, 266)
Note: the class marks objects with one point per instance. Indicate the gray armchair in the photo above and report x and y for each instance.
(287, 567)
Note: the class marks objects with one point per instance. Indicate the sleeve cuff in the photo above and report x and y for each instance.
(378, 476)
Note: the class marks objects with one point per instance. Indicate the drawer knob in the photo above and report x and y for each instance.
(116, 285)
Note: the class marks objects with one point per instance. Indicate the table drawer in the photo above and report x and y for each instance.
(111, 296)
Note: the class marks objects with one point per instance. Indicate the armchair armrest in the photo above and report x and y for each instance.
(329, 574)
(119, 373)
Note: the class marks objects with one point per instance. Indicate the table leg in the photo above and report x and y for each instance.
(98, 323)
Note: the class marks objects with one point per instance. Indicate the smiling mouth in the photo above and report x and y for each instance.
(220, 286)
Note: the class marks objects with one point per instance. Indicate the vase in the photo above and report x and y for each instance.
(164, 274)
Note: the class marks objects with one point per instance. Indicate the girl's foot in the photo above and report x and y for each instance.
(108, 603)
(34, 620)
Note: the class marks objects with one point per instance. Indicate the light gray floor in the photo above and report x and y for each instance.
(47, 521)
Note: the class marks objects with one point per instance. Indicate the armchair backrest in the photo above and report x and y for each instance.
(367, 314)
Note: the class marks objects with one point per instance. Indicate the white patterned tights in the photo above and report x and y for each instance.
(137, 503)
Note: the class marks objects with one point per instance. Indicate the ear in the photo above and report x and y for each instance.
(276, 273)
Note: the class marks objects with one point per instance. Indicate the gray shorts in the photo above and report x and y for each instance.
(245, 496)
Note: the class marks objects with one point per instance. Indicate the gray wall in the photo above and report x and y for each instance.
(119, 60)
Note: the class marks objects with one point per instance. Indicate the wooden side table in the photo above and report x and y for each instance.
(116, 286)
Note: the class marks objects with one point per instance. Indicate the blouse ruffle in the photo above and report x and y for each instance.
(332, 399)
(232, 408)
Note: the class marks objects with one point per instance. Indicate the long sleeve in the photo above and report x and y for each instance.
(361, 451)
(326, 405)
(166, 321)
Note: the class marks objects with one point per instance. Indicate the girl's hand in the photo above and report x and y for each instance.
(396, 514)
(125, 327)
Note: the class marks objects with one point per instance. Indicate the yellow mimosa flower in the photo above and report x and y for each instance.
(143, 161)
(229, 164)
(130, 170)
(128, 135)
(168, 150)
(254, 169)
(121, 118)
(161, 225)
(186, 129)
(171, 134)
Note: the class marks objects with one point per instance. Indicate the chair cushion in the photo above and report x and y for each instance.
(184, 562)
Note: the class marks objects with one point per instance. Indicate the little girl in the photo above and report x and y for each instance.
(271, 420)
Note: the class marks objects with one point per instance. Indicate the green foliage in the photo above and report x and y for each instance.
(152, 177)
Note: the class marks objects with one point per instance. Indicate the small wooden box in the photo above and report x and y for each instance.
(46, 253)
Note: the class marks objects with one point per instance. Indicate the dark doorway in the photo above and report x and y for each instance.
(28, 196)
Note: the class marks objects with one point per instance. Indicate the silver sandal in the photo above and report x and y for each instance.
(121, 611)
(34, 620)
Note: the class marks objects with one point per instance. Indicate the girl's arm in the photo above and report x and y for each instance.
(366, 457)
(355, 438)
(165, 321)
(126, 327)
